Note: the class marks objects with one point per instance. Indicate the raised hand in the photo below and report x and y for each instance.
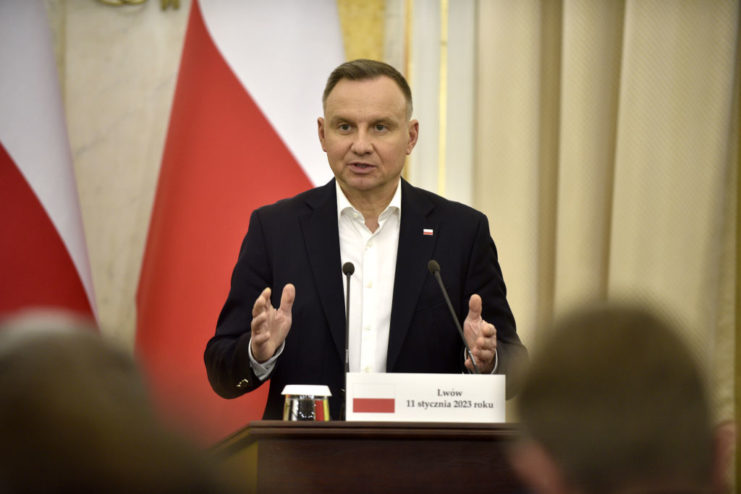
(481, 337)
(269, 325)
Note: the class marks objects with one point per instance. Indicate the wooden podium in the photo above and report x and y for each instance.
(273, 456)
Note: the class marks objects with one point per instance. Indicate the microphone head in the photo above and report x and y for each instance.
(348, 268)
(433, 266)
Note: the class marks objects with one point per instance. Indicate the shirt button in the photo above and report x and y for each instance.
(367, 328)
(369, 285)
(367, 369)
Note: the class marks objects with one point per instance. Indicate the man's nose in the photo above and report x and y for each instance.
(362, 143)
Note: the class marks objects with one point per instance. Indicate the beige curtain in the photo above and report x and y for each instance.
(607, 161)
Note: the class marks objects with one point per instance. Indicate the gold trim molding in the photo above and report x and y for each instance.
(164, 4)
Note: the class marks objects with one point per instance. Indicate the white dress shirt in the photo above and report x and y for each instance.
(372, 285)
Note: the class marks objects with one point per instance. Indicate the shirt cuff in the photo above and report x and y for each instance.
(263, 370)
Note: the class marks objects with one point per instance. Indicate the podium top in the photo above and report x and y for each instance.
(278, 429)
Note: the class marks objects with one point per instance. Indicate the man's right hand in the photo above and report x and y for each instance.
(270, 326)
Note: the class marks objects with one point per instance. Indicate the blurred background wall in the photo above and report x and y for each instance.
(599, 136)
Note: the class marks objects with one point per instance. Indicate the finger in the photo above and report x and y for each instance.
(287, 298)
(258, 322)
(474, 307)
(483, 356)
(481, 363)
(469, 365)
(487, 337)
(484, 360)
(487, 330)
(487, 344)
(262, 302)
(259, 339)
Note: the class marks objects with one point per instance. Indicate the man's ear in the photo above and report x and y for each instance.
(413, 129)
(536, 468)
(320, 131)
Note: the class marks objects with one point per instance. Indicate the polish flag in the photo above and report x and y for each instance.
(242, 134)
(372, 398)
(373, 405)
(43, 257)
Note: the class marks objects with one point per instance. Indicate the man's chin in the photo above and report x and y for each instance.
(359, 184)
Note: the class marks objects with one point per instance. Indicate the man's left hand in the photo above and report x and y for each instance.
(481, 337)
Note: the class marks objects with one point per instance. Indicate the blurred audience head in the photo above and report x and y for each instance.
(76, 417)
(614, 403)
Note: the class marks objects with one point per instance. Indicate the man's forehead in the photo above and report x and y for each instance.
(380, 81)
(381, 93)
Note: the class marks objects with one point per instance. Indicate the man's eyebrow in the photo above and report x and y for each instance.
(339, 118)
(381, 119)
(384, 120)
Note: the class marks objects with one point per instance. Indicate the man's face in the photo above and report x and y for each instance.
(366, 135)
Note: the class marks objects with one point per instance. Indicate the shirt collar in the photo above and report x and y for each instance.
(343, 204)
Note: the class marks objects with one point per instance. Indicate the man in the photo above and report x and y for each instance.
(284, 318)
(614, 403)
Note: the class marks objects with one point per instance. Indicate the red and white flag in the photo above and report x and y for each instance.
(242, 134)
(43, 257)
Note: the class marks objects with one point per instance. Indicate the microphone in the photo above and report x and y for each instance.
(434, 269)
(347, 269)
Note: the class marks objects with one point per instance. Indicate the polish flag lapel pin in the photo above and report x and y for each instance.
(427, 232)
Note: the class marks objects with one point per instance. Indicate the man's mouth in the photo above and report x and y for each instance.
(357, 166)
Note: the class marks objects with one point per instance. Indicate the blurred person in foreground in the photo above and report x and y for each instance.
(615, 403)
(76, 417)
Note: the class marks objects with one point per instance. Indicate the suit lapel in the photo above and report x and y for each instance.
(321, 237)
(414, 252)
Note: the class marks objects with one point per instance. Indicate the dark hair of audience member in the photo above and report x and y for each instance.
(76, 418)
(616, 399)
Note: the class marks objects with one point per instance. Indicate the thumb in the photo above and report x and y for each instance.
(474, 307)
(287, 297)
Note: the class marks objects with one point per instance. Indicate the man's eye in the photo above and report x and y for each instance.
(344, 127)
(380, 127)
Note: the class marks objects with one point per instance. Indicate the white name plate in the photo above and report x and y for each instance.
(393, 397)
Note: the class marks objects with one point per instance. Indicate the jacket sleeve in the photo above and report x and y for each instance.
(485, 278)
(226, 356)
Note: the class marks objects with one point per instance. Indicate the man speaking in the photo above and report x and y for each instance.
(284, 318)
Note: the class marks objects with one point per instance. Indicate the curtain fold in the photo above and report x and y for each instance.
(592, 52)
(606, 160)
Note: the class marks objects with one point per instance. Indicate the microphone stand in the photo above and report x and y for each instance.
(434, 268)
(347, 269)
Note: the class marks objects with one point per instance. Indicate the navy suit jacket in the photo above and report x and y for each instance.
(296, 240)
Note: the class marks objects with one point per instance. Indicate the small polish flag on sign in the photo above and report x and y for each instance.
(373, 405)
(427, 232)
(371, 398)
